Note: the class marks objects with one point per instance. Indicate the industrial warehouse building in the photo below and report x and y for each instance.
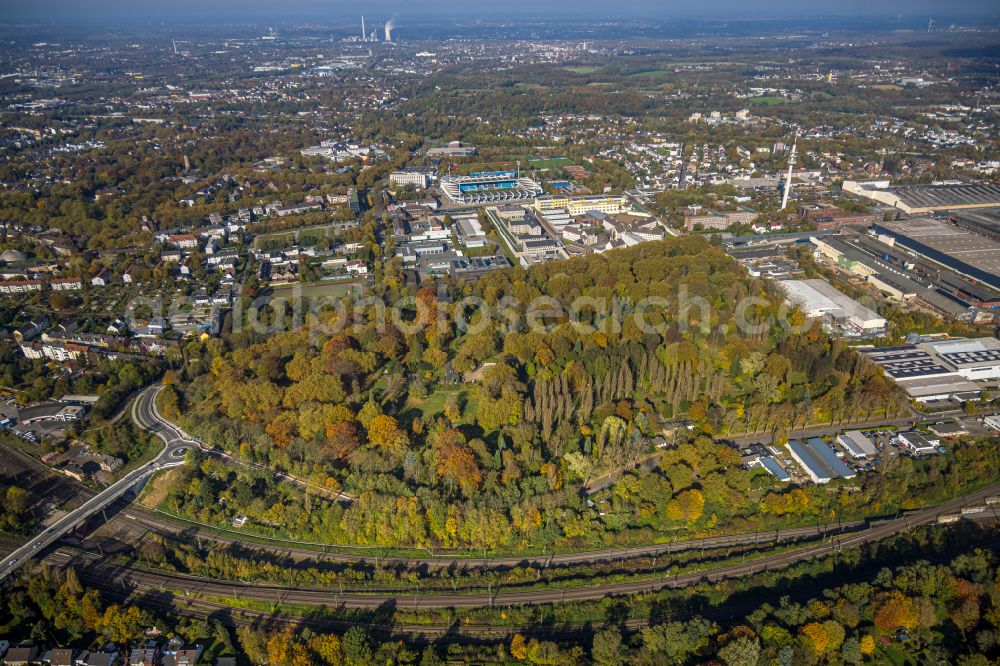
(919, 443)
(855, 259)
(818, 299)
(819, 461)
(945, 243)
(940, 369)
(902, 276)
(992, 422)
(974, 359)
(763, 457)
(857, 444)
(945, 281)
(775, 469)
(922, 199)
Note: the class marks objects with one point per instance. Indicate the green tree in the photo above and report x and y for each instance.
(743, 651)
(607, 647)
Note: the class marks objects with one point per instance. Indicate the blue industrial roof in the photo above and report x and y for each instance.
(772, 466)
(828, 457)
(808, 459)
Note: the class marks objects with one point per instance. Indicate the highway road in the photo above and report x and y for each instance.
(172, 455)
(148, 417)
(133, 523)
(145, 413)
(106, 573)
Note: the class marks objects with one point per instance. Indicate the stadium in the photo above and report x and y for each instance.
(489, 188)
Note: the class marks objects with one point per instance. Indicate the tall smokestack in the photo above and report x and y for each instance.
(788, 180)
(364, 35)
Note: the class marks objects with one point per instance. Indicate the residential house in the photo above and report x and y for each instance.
(31, 330)
(118, 327)
(66, 284)
(174, 656)
(101, 279)
(21, 286)
(62, 657)
(21, 656)
(357, 267)
(102, 659)
(147, 655)
(184, 241)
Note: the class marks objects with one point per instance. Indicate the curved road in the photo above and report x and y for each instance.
(133, 523)
(176, 441)
(148, 417)
(172, 455)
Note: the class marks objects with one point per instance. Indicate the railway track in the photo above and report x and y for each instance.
(105, 573)
(137, 522)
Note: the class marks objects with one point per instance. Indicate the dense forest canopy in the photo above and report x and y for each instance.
(500, 460)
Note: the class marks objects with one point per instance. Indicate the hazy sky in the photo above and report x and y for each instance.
(242, 10)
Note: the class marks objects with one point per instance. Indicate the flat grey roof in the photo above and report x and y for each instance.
(943, 196)
(948, 239)
(857, 444)
(985, 217)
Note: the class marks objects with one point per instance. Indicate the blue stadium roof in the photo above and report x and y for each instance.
(501, 174)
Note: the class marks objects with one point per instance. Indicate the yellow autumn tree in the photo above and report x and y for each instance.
(328, 648)
(893, 610)
(120, 625)
(384, 431)
(284, 650)
(687, 505)
(519, 647)
(816, 634)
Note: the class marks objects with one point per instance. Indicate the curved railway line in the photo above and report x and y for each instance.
(197, 595)
(105, 573)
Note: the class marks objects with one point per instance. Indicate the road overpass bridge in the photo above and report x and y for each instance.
(175, 445)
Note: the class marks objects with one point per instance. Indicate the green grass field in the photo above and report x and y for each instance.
(649, 73)
(433, 405)
(581, 69)
(768, 100)
(549, 163)
(319, 290)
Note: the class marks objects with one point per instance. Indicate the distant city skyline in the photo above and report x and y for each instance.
(110, 11)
